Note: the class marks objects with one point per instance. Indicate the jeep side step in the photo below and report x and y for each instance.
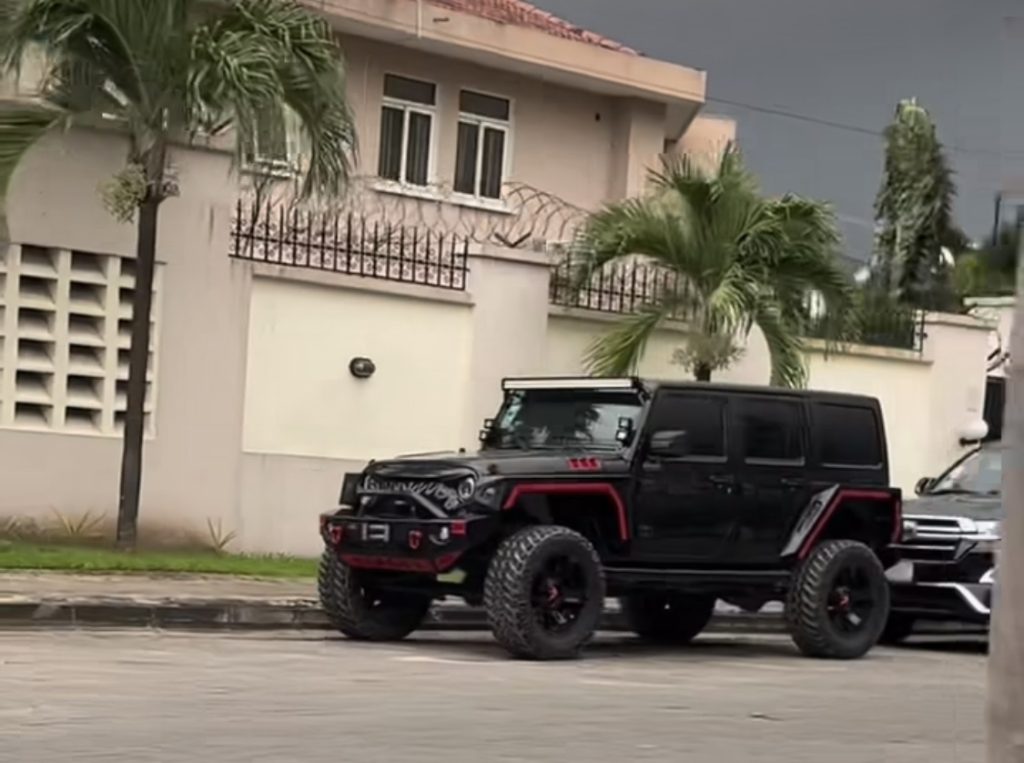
(659, 576)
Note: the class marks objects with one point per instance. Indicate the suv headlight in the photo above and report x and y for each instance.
(988, 529)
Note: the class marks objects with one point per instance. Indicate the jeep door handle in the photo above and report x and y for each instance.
(722, 480)
(792, 483)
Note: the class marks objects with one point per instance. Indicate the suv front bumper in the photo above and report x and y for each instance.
(417, 545)
(949, 599)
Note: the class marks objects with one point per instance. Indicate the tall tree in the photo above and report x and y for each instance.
(169, 69)
(734, 260)
(1006, 662)
(914, 214)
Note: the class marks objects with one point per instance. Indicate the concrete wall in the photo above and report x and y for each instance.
(192, 461)
(927, 397)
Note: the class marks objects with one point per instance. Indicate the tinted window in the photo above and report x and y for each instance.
(849, 435)
(412, 90)
(702, 418)
(771, 430)
(483, 105)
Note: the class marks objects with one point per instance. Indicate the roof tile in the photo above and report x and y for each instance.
(523, 14)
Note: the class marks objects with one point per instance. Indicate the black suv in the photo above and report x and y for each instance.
(951, 533)
(670, 496)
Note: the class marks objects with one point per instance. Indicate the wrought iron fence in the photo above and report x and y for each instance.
(625, 288)
(349, 244)
(622, 288)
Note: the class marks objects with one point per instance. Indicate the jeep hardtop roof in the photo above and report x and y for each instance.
(651, 386)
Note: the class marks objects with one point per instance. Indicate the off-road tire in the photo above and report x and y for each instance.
(508, 591)
(667, 618)
(383, 616)
(897, 629)
(807, 601)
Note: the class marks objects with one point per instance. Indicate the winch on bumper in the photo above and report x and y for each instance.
(431, 544)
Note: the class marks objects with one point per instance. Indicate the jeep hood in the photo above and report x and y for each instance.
(981, 508)
(497, 463)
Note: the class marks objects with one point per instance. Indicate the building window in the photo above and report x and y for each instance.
(406, 127)
(276, 144)
(65, 331)
(480, 156)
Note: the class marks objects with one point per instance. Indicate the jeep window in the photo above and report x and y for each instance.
(979, 473)
(848, 435)
(700, 417)
(771, 430)
(553, 418)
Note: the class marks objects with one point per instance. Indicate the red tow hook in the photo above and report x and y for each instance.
(415, 539)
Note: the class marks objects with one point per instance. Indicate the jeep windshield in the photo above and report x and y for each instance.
(978, 473)
(560, 418)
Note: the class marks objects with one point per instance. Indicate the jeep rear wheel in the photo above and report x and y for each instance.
(667, 618)
(544, 593)
(838, 602)
(360, 611)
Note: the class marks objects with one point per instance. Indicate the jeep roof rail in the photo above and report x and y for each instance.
(571, 382)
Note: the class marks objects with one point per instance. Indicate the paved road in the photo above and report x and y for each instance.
(144, 696)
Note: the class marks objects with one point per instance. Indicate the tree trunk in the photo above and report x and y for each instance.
(702, 372)
(1006, 661)
(138, 368)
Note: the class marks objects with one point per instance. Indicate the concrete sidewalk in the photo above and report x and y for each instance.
(222, 601)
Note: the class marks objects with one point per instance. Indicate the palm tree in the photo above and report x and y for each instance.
(169, 70)
(914, 214)
(735, 260)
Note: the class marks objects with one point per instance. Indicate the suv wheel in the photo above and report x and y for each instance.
(362, 613)
(898, 629)
(838, 601)
(544, 593)
(667, 618)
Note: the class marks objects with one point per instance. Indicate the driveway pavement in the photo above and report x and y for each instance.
(287, 697)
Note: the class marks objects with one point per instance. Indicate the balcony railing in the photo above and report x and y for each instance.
(348, 244)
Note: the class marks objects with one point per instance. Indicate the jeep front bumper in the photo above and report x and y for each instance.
(413, 544)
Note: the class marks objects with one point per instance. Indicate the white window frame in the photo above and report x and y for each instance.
(483, 123)
(410, 107)
(276, 167)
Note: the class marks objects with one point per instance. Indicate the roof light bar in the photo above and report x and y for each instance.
(571, 382)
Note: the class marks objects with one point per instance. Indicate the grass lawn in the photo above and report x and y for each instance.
(16, 555)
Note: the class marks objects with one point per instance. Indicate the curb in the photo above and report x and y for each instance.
(240, 614)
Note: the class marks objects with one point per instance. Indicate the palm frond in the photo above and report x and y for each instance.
(785, 347)
(618, 353)
(261, 56)
(22, 125)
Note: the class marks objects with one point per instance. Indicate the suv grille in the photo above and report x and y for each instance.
(929, 538)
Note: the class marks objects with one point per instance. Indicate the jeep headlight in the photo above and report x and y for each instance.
(466, 489)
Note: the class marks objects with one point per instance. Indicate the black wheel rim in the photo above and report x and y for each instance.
(851, 601)
(559, 594)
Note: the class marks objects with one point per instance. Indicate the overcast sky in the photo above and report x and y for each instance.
(845, 61)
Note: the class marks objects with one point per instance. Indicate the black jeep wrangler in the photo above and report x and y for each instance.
(670, 496)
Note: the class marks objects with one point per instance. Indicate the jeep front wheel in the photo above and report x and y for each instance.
(363, 612)
(838, 601)
(544, 593)
(667, 618)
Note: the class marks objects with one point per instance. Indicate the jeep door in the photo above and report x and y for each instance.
(684, 502)
(771, 436)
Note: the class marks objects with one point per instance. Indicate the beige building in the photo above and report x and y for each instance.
(487, 128)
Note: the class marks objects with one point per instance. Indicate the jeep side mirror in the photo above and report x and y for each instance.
(922, 485)
(670, 444)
